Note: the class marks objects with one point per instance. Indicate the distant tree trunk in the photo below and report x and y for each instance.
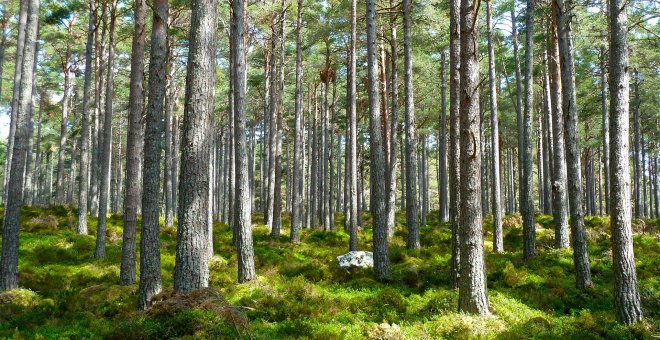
(133, 146)
(28, 182)
(472, 288)
(381, 256)
(525, 148)
(3, 43)
(297, 216)
(169, 173)
(105, 153)
(454, 137)
(498, 239)
(442, 145)
(12, 213)
(626, 294)
(272, 130)
(547, 138)
(150, 276)
(412, 221)
(81, 226)
(559, 185)
(572, 136)
(638, 150)
(66, 105)
(243, 213)
(97, 136)
(606, 129)
(191, 269)
(37, 179)
(519, 100)
(15, 99)
(352, 135)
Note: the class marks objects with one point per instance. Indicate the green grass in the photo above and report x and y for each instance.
(300, 292)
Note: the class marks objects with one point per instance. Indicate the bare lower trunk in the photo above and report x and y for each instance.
(626, 294)
(525, 148)
(454, 138)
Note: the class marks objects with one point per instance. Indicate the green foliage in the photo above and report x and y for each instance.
(301, 292)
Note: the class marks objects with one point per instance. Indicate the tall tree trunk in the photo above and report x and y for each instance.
(519, 89)
(569, 105)
(525, 148)
(29, 166)
(15, 99)
(442, 144)
(352, 134)
(498, 238)
(37, 179)
(104, 157)
(605, 128)
(243, 213)
(472, 296)
(381, 254)
(412, 221)
(559, 184)
(191, 269)
(12, 213)
(454, 138)
(97, 136)
(626, 294)
(547, 138)
(66, 105)
(637, 150)
(150, 276)
(298, 166)
(272, 130)
(83, 192)
(133, 146)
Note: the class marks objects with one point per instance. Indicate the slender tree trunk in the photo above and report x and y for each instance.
(97, 136)
(191, 269)
(637, 150)
(29, 166)
(547, 138)
(578, 230)
(559, 184)
(37, 179)
(104, 157)
(381, 256)
(412, 221)
(150, 275)
(243, 214)
(525, 148)
(133, 146)
(297, 216)
(472, 288)
(352, 134)
(15, 99)
(454, 138)
(498, 239)
(81, 226)
(66, 104)
(12, 212)
(606, 129)
(626, 294)
(442, 145)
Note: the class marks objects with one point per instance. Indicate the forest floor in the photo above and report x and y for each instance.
(300, 292)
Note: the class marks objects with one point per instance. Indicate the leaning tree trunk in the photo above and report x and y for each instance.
(626, 294)
(559, 194)
(150, 276)
(572, 136)
(191, 270)
(12, 213)
(472, 296)
(381, 257)
(498, 239)
(297, 216)
(105, 153)
(525, 149)
(412, 221)
(454, 141)
(133, 146)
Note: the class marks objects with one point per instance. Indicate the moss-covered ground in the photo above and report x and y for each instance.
(300, 292)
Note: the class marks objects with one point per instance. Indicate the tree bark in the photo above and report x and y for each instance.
(454, 138)
(412, 220)
(297, 216)
(104, 157)
(136, 107)
(472, 296)
(443, 202)
(627, 303)
(12, 213)
(525, 147)
(578, 229)
(191, 269)
(498, 238)
(378, 199)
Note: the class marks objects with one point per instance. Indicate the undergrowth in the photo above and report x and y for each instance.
(301, 292)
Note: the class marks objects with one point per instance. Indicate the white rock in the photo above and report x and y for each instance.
(360, 259)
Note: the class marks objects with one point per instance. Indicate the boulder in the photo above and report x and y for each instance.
(358, 259)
